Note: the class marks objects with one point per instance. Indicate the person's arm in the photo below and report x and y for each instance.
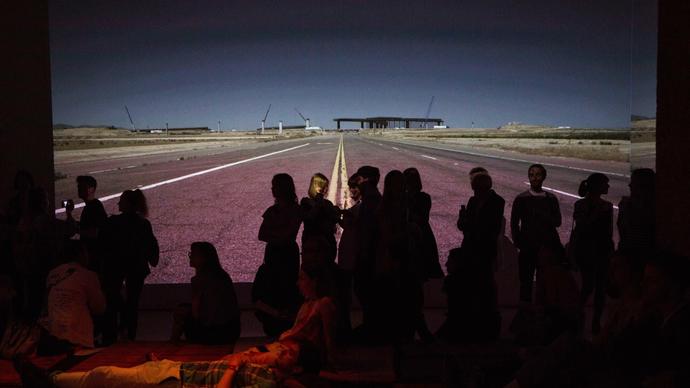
(152, 248)
(424, 207)
(515, 222)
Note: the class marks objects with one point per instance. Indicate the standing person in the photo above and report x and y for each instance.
(74, 297)
(213, 316)
(367, 235)
(130, 248)
(34, 246)
(395, 305)
(348, 248)
(480, 222)
(425, 265)
(320, 218)
(92, 219)
(274, 291)
(636, 217)
(534, 219)
(593, 237)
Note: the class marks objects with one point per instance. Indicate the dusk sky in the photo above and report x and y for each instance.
(570, 63)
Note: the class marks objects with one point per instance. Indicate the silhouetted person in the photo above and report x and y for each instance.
(367, 231)
(34, 249)
(213, 317)
(473, 315)
(424, 264)
(320, 218)
(130, 248)
(636, 216)
(74, 297)
(92, 219)
(274, 291)
(348, 248)
(481, 221)
(23, 182)
(397, 286)
(557, 294)
(534, 218)
(593, 236)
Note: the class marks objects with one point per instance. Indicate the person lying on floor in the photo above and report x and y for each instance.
(306, 346)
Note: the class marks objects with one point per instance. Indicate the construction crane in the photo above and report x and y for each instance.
(263, 122)
(306, 120)
(134, 129)
(428, 112)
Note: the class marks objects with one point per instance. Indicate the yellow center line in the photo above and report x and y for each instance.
(333, 184)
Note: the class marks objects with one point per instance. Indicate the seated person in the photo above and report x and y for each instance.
(473, 315)
(74, 296)
(306, 346)
(213, 316)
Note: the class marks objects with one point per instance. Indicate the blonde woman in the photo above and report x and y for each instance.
(320, 217)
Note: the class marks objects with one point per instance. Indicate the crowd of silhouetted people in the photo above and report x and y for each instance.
(82, 280)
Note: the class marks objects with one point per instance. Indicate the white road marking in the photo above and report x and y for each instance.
(111, 169)
(323, 143)
(396, 148)
(517, 160)
(100, 171)
(192, 175)
(428, 157)
(564, 193)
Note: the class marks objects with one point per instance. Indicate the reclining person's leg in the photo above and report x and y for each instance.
(164, 373)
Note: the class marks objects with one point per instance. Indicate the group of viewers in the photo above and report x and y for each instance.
(385, 254)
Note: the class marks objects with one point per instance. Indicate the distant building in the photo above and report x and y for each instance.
(391, 122)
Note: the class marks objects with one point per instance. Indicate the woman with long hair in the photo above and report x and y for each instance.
(593, 237)
(274, 290)
(131, 248)
(213, 317)
(320, 218)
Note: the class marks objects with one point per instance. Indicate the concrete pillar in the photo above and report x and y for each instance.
(672, 135)
(26, 123)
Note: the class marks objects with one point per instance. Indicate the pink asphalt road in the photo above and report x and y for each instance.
(225, 206)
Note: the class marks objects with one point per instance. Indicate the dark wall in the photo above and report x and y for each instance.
(26, 137)
(673, 126)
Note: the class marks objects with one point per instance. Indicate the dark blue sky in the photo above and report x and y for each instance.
(491, 62)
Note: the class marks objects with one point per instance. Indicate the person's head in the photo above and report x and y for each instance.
(283, 188)
(393, 187)
(595, 185)
(23, 181)
(74, 251)
(86, 187)
(666, 278)
(204, 257)
(140, 204)
(318, 185)
(481, 184)
(413, 181)
(642, 183)
(370, 175)
(127, 202)
(353, 187)
(476, 171)
(536, 174)
(315, 280)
